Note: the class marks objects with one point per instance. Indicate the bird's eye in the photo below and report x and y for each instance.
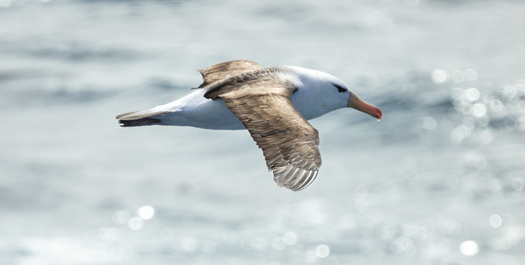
(340, 88)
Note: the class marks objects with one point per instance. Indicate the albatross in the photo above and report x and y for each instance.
(272, 103)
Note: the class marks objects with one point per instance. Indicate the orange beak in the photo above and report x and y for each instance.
(356, 103)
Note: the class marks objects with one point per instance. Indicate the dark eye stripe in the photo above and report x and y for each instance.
(340, 88)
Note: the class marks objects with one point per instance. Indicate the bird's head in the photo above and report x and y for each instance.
(328, 93)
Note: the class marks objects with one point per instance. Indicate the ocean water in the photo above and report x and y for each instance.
(439, 180)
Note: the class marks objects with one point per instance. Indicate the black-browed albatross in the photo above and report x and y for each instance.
(273, 103)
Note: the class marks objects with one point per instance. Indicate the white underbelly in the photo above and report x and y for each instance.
(197, 111)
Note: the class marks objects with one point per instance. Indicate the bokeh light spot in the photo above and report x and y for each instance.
(509, 92)
(108, 233)
(457, 134)
(290, 238)
(478, 110)
(495, 221)
(486, 136)
(517, 184)
(322, 251)
(494, 186)
(146, 212)
(469, 248)
(135, 223)
(120, 217)
(471, 94)
(439, 76)
(495, 105)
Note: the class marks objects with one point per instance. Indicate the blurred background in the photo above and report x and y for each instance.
(440, 180)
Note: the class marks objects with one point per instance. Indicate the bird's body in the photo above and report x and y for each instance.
(273, 103)
(197, 111)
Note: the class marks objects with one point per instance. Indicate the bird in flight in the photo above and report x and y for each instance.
(272, 103)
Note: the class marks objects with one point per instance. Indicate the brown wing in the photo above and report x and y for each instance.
(226, 70)
(290, 144)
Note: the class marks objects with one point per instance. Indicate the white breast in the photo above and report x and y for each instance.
(197, 111)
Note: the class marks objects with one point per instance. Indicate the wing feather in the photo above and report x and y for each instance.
(260, 98)
(289, 143)
(226, 70)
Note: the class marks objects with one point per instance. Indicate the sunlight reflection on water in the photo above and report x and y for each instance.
(439, 180)
(469, 248)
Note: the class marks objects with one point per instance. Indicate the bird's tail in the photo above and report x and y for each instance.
(141, 118)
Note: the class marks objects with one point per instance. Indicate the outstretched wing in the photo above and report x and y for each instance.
(226, 70)
(289, 143)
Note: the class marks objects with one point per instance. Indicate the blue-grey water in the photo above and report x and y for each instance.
(440, 180)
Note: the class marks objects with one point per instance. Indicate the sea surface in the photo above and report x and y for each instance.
(439, 180)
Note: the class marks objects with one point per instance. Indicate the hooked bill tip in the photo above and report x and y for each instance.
(378, 114)
(358, 104)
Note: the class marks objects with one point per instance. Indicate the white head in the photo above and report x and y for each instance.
(328, 93)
